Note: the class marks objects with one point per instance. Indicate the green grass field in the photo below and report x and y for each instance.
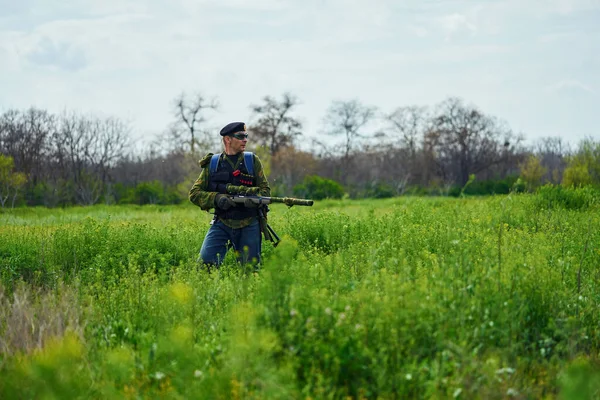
(487, 298)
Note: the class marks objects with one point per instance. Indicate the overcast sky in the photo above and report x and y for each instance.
(534, 64)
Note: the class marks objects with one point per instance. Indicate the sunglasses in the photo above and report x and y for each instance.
(240, 136)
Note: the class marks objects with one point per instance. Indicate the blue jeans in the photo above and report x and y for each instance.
(220, 238)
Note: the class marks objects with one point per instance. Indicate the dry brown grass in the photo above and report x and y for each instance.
(30, 316)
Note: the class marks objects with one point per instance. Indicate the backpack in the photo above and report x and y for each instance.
(248, 162)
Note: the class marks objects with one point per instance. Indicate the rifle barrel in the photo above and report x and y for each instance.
(291, 201)
(288, 201)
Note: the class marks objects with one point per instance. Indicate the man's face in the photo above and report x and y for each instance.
(237, 142)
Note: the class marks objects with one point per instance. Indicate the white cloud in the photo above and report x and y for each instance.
(567, 7)
(418, 31)
(569, 85)
(130, 58)
(456, 23)
(261, 5)
(61, 55)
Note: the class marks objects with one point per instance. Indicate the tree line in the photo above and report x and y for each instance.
(452, 147)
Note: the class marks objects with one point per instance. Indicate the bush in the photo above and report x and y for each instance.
(418, 190)
(318, 188)
(51, 194)
(123, 194)
(555, 196)
(488, 187)
(172, 196)
(379, 190)
(402, 298)
(147, 193)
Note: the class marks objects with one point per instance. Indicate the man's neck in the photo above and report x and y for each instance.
(231, 153)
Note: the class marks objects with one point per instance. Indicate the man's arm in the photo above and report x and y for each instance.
(199, 194)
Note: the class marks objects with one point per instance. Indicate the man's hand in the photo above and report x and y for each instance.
(224, 202)
(219, 187)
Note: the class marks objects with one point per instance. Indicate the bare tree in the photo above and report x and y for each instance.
(275, 127)
(467, 141)
(86, 148)
(74, 141)
(169, 141)
(10, 181)
(409, 123)
(348, 118)
(290, 166)
(190, 114)
(24, 136)
(407, 126)
(553, 153)
(112, 139)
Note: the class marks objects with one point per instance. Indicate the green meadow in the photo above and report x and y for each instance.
(410, 297)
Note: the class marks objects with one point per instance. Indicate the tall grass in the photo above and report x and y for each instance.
(427, 298)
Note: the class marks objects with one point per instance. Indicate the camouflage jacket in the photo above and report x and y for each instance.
(200, 196)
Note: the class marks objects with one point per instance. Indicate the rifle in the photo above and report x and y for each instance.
(261, 203)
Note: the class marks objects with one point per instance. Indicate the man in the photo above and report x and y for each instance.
(234, 225)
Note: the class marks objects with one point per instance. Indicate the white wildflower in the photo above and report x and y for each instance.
(506, 370)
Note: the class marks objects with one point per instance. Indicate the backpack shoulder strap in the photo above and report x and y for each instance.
(249, 162)
(214, 162)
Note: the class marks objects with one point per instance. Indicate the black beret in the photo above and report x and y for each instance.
(233, 128)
